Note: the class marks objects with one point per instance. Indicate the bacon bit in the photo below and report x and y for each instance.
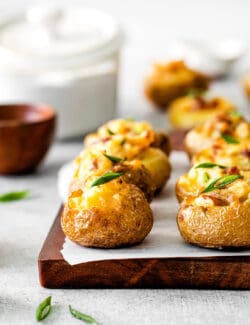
(198, 104)
(246, 152)
(215, 148)
(217, 200)
(94, 164)
(76, 193)
(105, 139)
(214, 102)
(181, 218)
(232, 170)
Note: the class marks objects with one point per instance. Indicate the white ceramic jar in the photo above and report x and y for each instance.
(66, 57)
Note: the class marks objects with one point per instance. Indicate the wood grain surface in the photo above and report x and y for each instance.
(206, 272)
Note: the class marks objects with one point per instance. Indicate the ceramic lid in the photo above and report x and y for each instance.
(47, 36)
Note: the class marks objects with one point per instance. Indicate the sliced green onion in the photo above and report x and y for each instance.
(43, 309)
(106, 178)
(221, 182)
(209, 165)
(13, 196)
(229, 139)
(86, 318)
(113, 158)
(110, 132)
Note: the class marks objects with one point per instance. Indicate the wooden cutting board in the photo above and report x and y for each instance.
(206, 272)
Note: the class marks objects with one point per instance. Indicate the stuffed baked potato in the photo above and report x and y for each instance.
(172, 80)
(127, 138)
(132, 140)
(218, 217)
(190, 111)
(225, 128)
(226, 154)
(110, 215)
(92, 162)
(124, 164)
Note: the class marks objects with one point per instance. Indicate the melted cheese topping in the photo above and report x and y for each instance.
(194, 182)
(122, 138)
(226, 154)
(187, 112)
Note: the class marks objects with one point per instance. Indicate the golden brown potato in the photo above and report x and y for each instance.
(111, 215)
(216, 227)
(224, 128)
(161, 141)
(218, 217)
(190, 111)
(158, 165)
(91, 162)
(172, 80)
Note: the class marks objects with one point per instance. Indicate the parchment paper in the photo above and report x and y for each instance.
(164, 239)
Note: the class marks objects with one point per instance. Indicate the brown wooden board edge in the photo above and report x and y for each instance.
(230, 272)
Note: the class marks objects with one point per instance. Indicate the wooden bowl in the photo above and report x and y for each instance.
(26, 133)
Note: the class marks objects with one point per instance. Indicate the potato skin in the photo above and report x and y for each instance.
(138, 176)
(190, 111)
(110, 225)
(158, 165)
(216, 227)
(162, 142)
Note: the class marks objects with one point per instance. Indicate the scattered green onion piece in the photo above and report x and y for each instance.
(113, 158)
(13, 196)
(221, 182)
(206, 177)
(43, 309)
(110, 132)
(86, 318)
(229, 139)
(209, 165)
(235, 114)
(194, 92)
(106, 178)
(123, 142)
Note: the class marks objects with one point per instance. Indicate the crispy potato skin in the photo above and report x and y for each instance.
(172, 80)
(217, 226)
(158, 165)
(162, 142)
(139, 176)
(107, 225)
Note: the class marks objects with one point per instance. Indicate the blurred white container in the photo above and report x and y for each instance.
(66, 57)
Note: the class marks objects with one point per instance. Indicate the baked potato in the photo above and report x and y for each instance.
(158, 165)
(132, 140)
(169, 81)
(91, 162)
(111, 215)
(226, 154)
(224, 128)
(218, 217)
(198, 178)
(127, 138)
(189, 111)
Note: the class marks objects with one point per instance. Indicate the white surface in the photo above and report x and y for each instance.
(164, 239)
(25, 224)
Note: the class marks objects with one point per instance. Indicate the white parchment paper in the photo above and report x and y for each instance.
(164, 239)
